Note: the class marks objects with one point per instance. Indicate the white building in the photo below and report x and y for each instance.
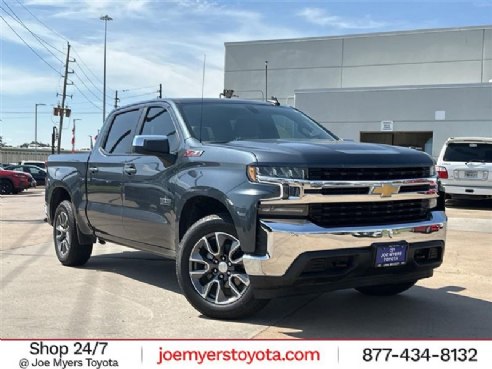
(411, 88)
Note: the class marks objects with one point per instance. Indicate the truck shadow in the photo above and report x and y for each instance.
(140, 266)
(421, 312)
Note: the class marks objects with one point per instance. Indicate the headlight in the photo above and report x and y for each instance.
(432, 171)
(254, 172)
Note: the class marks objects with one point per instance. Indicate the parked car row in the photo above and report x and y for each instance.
(15, 178)
(38, 174)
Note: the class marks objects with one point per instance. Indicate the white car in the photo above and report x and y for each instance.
(38, 163)
(465, 167)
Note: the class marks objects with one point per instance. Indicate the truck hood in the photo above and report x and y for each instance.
(322, 153)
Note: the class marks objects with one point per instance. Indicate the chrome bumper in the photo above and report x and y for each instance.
(287, 239)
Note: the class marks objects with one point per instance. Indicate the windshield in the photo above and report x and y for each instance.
(224, 122)
(468, 152)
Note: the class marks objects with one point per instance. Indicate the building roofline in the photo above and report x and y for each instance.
(361, 35)
(393, 88)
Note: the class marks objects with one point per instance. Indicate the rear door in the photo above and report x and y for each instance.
(148, 196)
(105, 174)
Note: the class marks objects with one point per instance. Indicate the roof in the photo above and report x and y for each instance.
(196, 100)
(470, 139)
(361, 35)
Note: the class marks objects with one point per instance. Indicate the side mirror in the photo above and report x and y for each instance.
(148, 144)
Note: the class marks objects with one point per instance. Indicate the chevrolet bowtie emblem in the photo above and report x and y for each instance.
(385, 190)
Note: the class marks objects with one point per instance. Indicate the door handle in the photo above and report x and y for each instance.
(130, 169)
(93, 169)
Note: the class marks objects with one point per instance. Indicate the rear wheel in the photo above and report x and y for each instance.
(386, 289)
(6, 187)
(211, 273)
(68, 249)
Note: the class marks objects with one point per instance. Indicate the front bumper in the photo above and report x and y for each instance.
(293, 245)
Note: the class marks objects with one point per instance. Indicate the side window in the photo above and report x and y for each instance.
(158, 121)
(33, 170)
(119, 140)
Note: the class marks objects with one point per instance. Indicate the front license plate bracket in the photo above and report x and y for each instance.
(390, 254)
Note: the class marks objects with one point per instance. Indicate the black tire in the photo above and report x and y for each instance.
(67, 247)
(386, 289)
(209, 271)
(6, 187)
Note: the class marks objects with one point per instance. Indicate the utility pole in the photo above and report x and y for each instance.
(116, 99)
(160, 90)
(64, 96)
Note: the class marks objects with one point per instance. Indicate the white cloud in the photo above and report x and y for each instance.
(323, 18)
(14, 80)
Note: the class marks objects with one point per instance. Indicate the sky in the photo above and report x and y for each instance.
(152, 42)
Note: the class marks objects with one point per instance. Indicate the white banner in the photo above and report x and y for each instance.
(241, 354)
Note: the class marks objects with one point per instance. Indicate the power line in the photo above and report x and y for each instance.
(47, 27)
(41, 113)
(78, 89)
(88, 69)
(41, 41)
(146, 94)
(90, 81)
(29, 46)
(92, 93)
(79, 58)
(136, 89)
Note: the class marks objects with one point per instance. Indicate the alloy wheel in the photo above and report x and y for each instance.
(62, 227)
(216, 268)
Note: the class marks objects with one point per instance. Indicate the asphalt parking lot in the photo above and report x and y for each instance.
(122, 293)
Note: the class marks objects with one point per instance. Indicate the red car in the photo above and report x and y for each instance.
(14, 182)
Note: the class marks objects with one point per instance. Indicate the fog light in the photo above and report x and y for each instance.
(289, 210)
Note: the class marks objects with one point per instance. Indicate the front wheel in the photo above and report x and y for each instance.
(68, 249)
(6, 187)
(386, 289)
(211, 273)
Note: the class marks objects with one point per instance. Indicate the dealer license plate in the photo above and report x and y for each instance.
(391, 254)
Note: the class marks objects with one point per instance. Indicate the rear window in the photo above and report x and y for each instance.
(468, 152)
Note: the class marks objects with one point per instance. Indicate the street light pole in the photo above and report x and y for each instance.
(36, 125)
(266, 80)
(105, 18)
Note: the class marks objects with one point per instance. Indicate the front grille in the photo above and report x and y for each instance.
(368, 213)
(363, 190)
(367, 174)
(339, 191)
(415, 188)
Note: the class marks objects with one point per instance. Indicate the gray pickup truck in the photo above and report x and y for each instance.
(253, 200)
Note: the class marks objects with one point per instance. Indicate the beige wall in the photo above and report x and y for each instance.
(442, 56)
